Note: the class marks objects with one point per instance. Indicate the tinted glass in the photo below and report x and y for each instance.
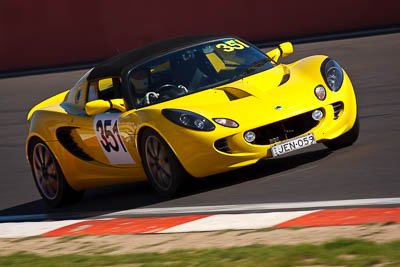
(92, 93)
(194, 69)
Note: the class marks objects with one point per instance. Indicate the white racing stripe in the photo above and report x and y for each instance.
(257, 207)
(237, 221)
(210, 223)
(24, 229)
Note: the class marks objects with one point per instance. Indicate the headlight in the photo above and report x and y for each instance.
(320, 92)
(188, 119)
(227, 122)
(332, 73)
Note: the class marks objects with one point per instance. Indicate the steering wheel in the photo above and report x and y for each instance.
(149, 97)
(183, 88)
(163, 87)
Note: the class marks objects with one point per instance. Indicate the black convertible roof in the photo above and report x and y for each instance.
(113, 66)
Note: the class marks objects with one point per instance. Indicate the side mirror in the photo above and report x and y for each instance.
(100, 106)
(283, 50)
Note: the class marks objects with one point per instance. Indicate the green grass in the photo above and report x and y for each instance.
(296, 227)
(363, 253)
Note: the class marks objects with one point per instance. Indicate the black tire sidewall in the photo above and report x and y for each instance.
(177, 171)
(65, 193)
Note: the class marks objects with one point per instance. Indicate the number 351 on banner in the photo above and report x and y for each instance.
(106, 127)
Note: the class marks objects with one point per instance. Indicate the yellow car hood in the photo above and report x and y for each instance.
(253, 99)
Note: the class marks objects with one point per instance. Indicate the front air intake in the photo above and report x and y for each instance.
(223, 146)
(64, 136)
(285, 129)
(337, 108)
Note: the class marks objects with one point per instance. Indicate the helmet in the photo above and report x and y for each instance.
(139, 81)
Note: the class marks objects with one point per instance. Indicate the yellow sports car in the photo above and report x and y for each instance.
(191, 106)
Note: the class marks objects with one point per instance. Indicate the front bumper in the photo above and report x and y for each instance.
(200, 156)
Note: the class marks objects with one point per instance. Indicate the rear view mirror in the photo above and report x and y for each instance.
(100, 106)
(283, 50)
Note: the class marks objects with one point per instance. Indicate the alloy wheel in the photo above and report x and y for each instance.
(158, 162)
(45, 170)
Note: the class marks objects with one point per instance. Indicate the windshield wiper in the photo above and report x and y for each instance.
(251, 68)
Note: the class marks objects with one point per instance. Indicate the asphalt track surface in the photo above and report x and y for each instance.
(368, 169)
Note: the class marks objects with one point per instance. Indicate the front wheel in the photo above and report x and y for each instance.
(346, 139)
(162, 168)
(49, 178)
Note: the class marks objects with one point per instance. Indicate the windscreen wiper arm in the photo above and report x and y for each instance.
(252, 67)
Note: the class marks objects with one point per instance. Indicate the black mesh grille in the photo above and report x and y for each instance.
(222, 145)
(285, 129)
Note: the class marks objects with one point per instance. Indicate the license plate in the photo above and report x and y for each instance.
(293, 144)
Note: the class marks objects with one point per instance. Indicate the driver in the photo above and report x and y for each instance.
(139, 82)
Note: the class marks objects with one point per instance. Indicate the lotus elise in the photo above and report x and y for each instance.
(190, 106)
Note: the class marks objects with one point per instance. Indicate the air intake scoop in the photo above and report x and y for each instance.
(234, 93)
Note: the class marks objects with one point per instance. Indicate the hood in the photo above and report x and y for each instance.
(256, 96)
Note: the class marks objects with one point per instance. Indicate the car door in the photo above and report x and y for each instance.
(107, 137)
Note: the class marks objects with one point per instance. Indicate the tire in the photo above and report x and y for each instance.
(48, 177)
(346, 139)
(164, 171)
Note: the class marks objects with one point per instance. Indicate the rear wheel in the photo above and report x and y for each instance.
(346, 139)
(162, 168)
(49, 178)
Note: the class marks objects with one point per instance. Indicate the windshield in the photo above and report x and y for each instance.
(194, 69)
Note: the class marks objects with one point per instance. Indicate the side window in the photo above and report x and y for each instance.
(92, 92)
(78, 96)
